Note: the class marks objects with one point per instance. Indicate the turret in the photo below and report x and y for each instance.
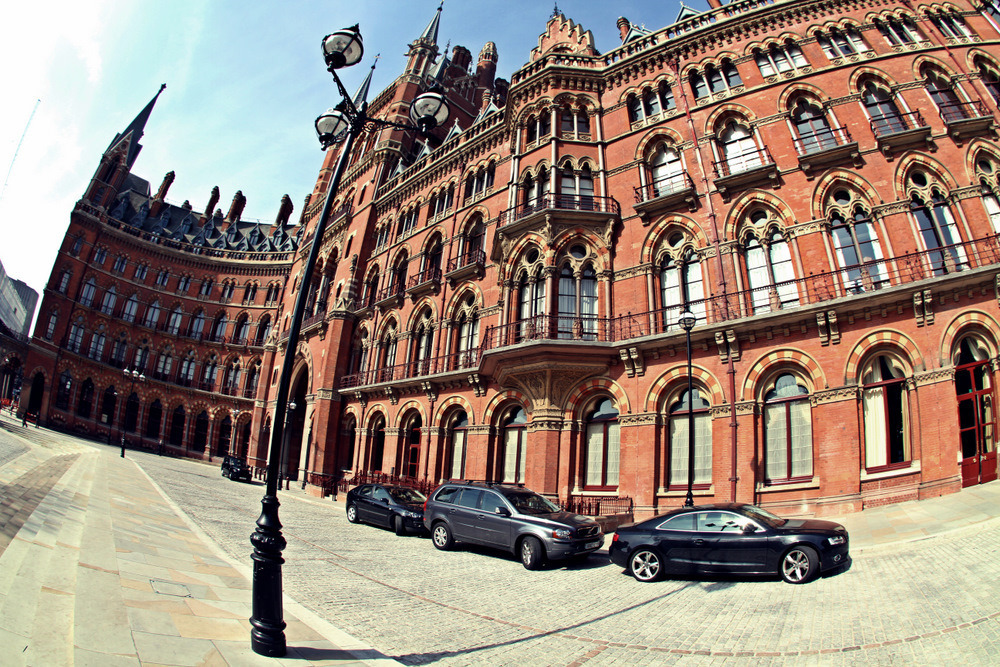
(424, 50)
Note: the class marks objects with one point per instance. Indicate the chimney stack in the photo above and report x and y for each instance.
(284, 211)
(161, 194)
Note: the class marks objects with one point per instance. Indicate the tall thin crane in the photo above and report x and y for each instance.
(18, 149)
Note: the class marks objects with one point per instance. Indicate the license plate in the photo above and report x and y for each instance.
(592, 545)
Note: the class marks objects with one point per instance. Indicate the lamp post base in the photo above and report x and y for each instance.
(268, 635)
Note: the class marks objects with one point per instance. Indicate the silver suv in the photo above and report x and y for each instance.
(508, 517)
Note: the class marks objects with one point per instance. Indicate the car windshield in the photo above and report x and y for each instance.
(404, 495)
(527, 502)
(764, 516)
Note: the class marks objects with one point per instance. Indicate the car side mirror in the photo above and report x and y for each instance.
(502, 511)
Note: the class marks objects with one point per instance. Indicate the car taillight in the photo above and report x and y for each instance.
(425, 507)
(615, 538)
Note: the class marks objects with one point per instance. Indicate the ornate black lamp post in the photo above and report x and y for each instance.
(338, 125)
(687, 320)
(132, 376)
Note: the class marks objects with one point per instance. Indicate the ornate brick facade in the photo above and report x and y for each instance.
(815, 181)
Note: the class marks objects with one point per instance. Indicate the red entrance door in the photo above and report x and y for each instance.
(976, 420)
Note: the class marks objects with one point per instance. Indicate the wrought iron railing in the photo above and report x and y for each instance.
(598, 505)
(446, 363)
(562, 202)
(822, 140)
(742, 162)
(664, 187)
(895, 123)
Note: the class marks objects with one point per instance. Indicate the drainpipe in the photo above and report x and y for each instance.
(731, 368)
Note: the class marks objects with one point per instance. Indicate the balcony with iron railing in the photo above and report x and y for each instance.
(466, 265)
(390, 296)
(586, 207)
(419, 368)
(665, 194)
(426, 281)
(966, 119)
(896, 130)
(825, 147)
(750, 168)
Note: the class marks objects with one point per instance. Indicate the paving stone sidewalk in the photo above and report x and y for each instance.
(98, 567)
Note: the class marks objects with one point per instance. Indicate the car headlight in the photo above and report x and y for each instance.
(836, 540)
(562, 533)
(410, 515)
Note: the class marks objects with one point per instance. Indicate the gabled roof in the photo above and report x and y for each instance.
(685, 13)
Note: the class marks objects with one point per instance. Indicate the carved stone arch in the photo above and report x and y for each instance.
(970, 321)
(793, 92)
(372, 270)
(916, 160)
(390, 322)
(482, 211)
(303, 363)
(926, 60)
(428, 241)
(768, 363)
(974, 54)
(457, 301)
(652, 247)
(448, 405)
(866, 72)
(830, 24)
(665, 384)
(723, 113)
(503, 400)
(885, 14)
(406, 409)
(839, 178)
(401, 252)
(511, 264)
(353, 410)
(767, 41)
(541, 105)
(416, 316)
(581, 396)
(533, 170)
(978, 148)
(886, 339)
(747, 202)
(653, 138)
(378, 411)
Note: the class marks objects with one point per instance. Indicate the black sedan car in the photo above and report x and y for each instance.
(398, 507)
(729, 538)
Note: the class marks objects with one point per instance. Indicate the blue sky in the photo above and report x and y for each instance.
(245, 82)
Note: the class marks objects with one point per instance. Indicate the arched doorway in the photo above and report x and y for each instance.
(222, 445)
(37, 391)
(976, 416)
(410, 463)
(295, 426)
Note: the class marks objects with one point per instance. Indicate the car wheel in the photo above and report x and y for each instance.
(645, 565)
(352, 513)
(441, 536)
(532, 554)
(799, 565)
(397, 524)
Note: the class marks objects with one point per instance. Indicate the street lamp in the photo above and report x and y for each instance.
(132, 376)
(687, 321)
(341, 125)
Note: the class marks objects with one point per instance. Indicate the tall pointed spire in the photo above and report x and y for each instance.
(361, 96)
(430, 34)
(134, 131)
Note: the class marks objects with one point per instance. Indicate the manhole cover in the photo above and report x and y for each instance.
(170, 588)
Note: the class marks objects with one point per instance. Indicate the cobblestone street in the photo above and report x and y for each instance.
(925, 602)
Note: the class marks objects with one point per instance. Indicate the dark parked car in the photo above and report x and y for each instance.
(392, 506)
(730, 538)
(511, 518)
(234, 467)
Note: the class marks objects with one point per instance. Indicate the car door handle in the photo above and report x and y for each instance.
(699, 541)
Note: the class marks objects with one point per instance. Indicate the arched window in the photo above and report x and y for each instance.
(943, 95)
(200, 438)
(881, 107)
(535, 190)
(576, 188)
(989, 74)
(677, 475)
(936, 225)
(467, 335)
(811, 127)
(539, 126)
(377, 445)
(574, 123)
(263, 331)
(63, 390)
(899, 31)
(856, 243)
(219, 327)
(769, 270)
(715, 79)
(457, 440)
(423, 345)
(472, 243)
(778, 59)
(108, 301)
(577, 303)
(681, 285)
(185, 374)
(231, 378)
(85, 402)
(951, 25)
(152, 315)
(241, 329)
(96, 346)
(841, 42)
(387, 354)
(75, 339)
(738, 150)
(976, 416)
(88, 292)
(531, 301)
(209, 372)
(787, 431)
(886, 413)
(177, 426)
(109, 405)
(602, 446)
(164, 364)
(666, 172)
(174, 323)
(130, 309)
(154, 419)
(987, 173)
(513, 454)
(371, 288)
(411, 450)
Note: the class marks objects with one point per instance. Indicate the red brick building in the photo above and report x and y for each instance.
(815, 181)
